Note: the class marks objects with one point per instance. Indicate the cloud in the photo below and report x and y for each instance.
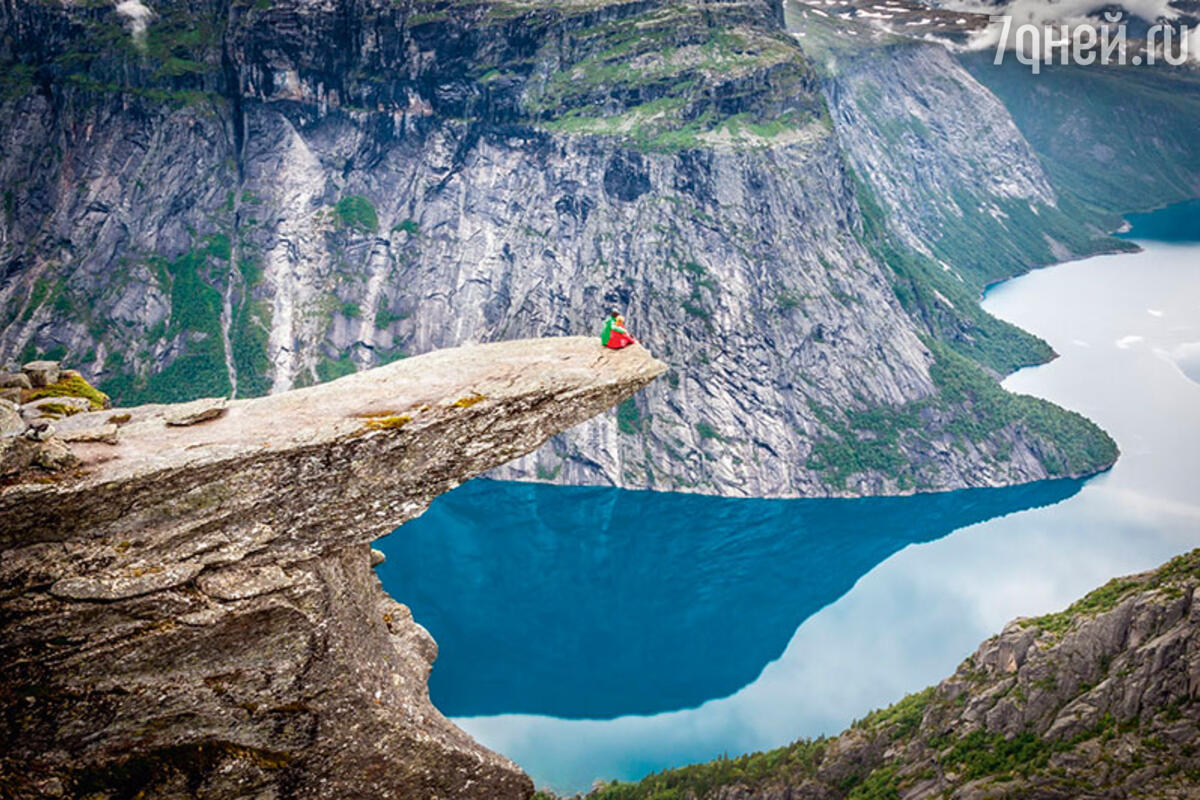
(1074, 14)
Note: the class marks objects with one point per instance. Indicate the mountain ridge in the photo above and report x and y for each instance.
(435, 173)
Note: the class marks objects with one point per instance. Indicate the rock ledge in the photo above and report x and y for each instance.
(192, 611)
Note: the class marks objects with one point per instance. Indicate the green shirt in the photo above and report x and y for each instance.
(610, 325)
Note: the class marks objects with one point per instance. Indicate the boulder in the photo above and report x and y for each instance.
(377, 557)
(16, 454)
(105, 434)
(41, 373)
(19, 453)
(12, 394)
(11, 423)
(54, 455)
(39, 430)
(14, 380)
(196, 411)
(55, 408)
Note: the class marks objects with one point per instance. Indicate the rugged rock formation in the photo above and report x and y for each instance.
(192, 611)
(1098, 701)
(260, 195)
(33, 400)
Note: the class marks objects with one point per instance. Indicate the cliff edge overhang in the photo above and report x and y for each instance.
(193, 608)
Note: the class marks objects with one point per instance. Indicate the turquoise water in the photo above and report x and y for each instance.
(1175, 223)
(599, 602)
(597, 633)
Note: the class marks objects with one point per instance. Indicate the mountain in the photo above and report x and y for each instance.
(1096, 701)
(221, 198)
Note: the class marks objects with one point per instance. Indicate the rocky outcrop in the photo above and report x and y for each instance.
(255, 197)
(192, 611)
(1098, 701)
(37, 399)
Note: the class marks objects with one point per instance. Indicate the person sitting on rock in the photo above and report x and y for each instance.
(615, 336)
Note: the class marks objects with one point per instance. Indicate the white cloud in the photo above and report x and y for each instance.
(1072, 13)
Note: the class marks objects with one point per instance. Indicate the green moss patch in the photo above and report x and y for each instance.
(69, 384)
(357, 213)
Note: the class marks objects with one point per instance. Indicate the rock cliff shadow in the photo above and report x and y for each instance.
(599, 602)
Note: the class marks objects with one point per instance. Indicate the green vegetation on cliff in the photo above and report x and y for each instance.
(792, 763)
(1139, 156)
(675, 77)
(197, 351)
(356, 212)
(945, 306)
(970, 409)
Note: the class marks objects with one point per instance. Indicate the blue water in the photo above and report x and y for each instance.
(599, 602)
(1175, 223)
(598, 633)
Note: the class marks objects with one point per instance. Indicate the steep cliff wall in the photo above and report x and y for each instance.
(248, 198)
(1121, 137)
(192, 612)
(1097, 701)
(959, 181)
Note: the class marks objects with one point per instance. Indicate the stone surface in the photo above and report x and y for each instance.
(54, 408)
(54, 455)
(11, 422)
(16, 455)
(14, 380)
(193, 612)
(107, 433)
(34, 456)
(196, 411)
(41, 373)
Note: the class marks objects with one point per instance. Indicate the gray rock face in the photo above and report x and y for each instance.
(196, 411)
(364, 182)
(937, 146)
(194, 610)
(11, 422)
(54, 408)
(15, 380)
(41, 373)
